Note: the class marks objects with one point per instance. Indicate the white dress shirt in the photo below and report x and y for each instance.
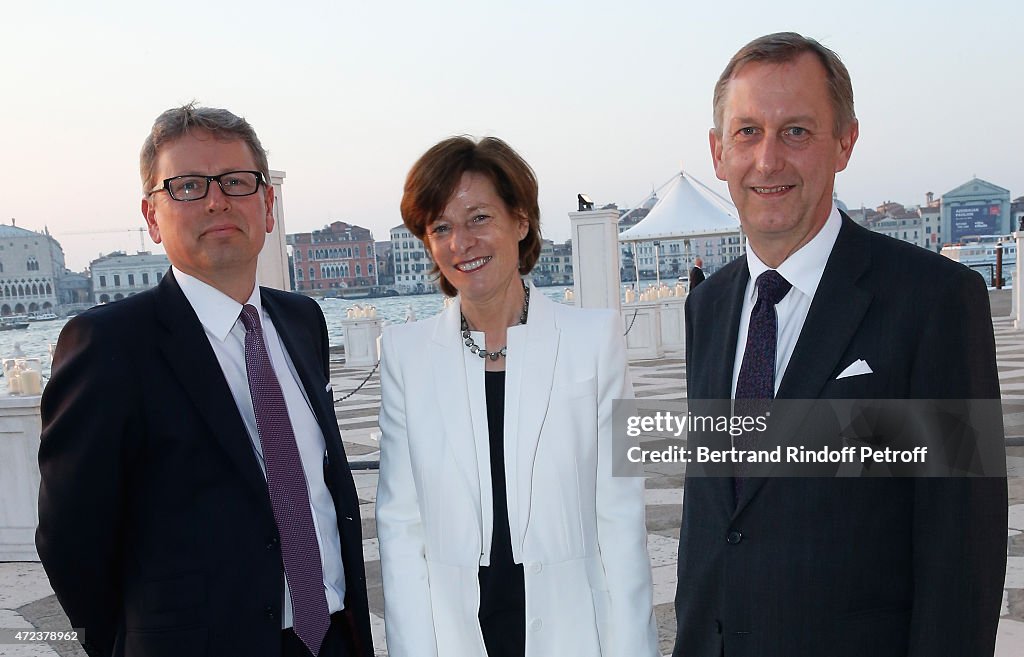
(219, 315)
(803, 269)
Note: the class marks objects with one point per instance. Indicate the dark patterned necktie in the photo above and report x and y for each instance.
(289, 495)
(755, 386)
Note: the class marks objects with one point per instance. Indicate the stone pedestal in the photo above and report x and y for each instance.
(643, 334)
(361, 344)
(1018, 283)
(19, 477)
(673, 326)
(595, 258)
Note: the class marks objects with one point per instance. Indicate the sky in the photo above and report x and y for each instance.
(606, 98)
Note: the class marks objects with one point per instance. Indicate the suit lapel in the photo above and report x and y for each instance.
(723, 353)
(835, 314)
(836, 311)
(722, 356)
(293, 331)
(189, 355)
(456, 397)
(530, 371)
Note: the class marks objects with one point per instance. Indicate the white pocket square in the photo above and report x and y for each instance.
(330, 387)
(856, 368)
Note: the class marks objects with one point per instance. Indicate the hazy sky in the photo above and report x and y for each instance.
(607, 98)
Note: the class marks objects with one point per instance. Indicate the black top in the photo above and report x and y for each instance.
(502, 592)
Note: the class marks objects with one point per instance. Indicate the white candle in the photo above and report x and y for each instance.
(31, 382)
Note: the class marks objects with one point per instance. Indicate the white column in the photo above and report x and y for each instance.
(595, 258)
(362, 347)
(643, 330)
(19, 477)
(272, 267)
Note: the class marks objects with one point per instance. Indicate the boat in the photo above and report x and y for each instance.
(7, 324)
(979, 253)
(42, 317)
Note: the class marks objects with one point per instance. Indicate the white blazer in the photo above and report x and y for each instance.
(578, 531)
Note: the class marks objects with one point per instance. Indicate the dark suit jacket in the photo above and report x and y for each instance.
(696, 277)
(879, 567)
(155, 524)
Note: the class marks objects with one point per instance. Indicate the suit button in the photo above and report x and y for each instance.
(734, 537)
(536, 567)
(536, 624)
(718, 626)
(272, 542)
(269, 610)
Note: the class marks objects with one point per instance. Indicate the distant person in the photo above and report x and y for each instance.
(195, 496)
(821, 308)
(502, 530)
(696, 274)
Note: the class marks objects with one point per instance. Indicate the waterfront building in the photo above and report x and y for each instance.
(920, 225)
(975, 208)
(385, 263)
(31, 269)
(412, 263)
(118, 275)
(74, 290)
(339, 255)
(554, 266)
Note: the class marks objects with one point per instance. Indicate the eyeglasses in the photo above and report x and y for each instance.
(193, 188)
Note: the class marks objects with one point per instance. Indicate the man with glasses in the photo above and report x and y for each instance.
(195, 495)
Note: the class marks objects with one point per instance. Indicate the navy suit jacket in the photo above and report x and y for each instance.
(813, 566)
(155, 523)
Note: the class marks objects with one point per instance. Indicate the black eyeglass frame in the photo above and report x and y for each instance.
(166, 186)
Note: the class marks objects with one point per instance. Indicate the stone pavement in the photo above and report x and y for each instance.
(27, 601)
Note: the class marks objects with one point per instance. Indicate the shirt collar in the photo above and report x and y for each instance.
(803, 268)
(217, 311)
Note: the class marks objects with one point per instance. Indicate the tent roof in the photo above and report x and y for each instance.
(687, 209)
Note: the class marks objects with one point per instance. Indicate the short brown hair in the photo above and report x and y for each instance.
(433, 179)
(783, 47)
(180, 121)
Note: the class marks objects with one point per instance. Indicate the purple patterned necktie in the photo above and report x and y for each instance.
(289, 495)
(755, 386)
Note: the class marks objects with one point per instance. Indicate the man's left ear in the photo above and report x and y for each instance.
(270, 208)
(846, 143)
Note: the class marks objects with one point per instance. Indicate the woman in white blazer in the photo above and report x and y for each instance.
(502, 530)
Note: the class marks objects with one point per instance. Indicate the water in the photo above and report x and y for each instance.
(35, 341)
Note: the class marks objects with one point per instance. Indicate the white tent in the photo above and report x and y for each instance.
(687, 209)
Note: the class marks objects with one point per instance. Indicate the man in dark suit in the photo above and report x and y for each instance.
(821, 308)
(696, 274)
(195, 497)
